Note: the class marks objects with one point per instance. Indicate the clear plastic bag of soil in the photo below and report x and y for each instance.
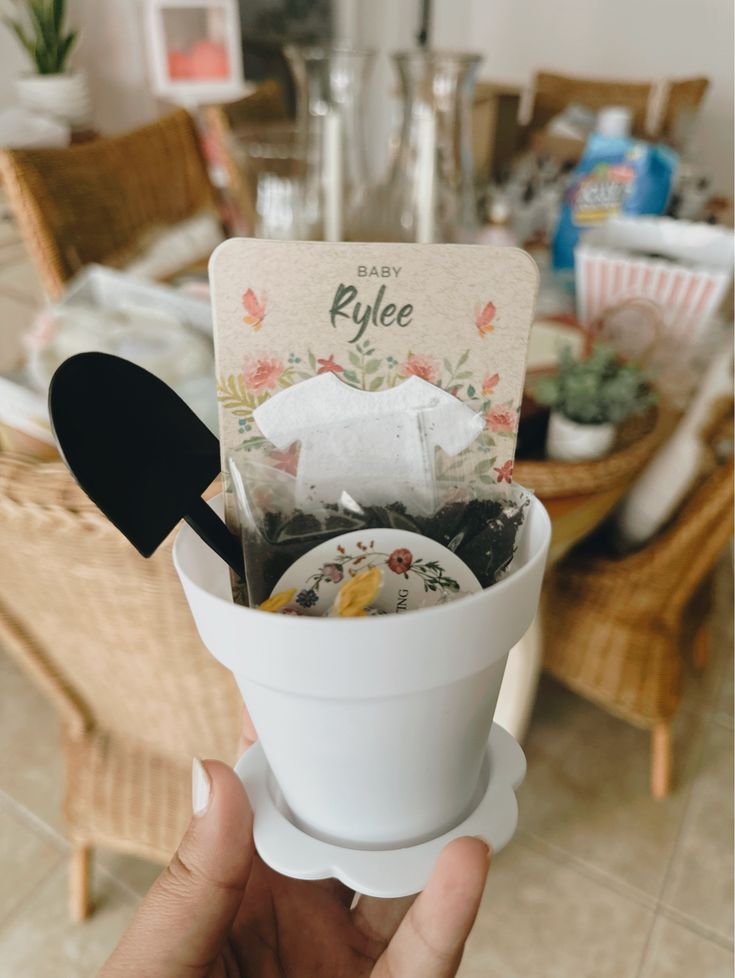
(410, 464)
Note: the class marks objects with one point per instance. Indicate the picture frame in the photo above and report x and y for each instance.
(194, 51)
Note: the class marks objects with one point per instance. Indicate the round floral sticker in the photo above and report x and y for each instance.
(416, 572)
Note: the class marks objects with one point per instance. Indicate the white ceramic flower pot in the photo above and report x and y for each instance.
(375, 729)
(65, 98)
(568, 441)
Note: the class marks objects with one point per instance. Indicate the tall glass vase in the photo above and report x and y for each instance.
(331, 84)
(430, 193)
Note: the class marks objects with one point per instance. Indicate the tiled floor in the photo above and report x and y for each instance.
(600, 882)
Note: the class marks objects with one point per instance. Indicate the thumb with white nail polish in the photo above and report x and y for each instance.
(185, 919)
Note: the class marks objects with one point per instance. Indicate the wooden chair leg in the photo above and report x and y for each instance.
(700, 652)
(79, 887)
(661, 760)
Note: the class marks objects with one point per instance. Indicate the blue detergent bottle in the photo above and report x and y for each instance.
(616, 175)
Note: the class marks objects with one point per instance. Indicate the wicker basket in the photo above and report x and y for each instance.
(636, 442)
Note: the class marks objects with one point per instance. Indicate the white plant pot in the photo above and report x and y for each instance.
(65, 98)
(568, 441)
(375, 729)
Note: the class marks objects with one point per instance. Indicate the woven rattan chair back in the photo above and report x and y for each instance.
(659, 109)
(613, 627)
(671, 568)
(99, 201)
(110, 631)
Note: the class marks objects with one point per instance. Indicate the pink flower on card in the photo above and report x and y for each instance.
(254, 309)
(490, 383)
(286, 461)
(419, 366)
(262, 374)
(505, 472)
(484, 318)
(501, 420)
(329, 366)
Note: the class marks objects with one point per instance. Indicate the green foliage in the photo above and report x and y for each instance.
(596, 390)
(39, 26)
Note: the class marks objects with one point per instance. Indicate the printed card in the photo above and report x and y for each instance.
(373, 316)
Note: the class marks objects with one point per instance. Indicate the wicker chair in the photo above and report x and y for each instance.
(109, 638)
(101, 201)
(614, 627)
(223, 124)
(553, 92)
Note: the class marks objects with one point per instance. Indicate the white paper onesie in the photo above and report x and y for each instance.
(378, 447)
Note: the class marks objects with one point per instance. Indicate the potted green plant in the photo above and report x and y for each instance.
(588, 399)
(51, 89)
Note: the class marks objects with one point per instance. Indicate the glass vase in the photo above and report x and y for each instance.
(271, 161)
(430, 192)
(331, 84)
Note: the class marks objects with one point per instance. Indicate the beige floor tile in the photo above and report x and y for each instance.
(710, 691)
(677, 952)
(703, 690)
(20, 279)
(30, 762)
(540, 919)
(136, 875)
(700, 881)
(27, 856)
(725, 703)
(40, 941)
(587, 789)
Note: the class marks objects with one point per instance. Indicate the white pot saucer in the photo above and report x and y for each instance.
(291, 851)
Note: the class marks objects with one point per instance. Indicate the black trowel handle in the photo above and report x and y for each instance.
(205, 523)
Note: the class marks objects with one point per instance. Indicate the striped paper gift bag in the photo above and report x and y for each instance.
(684, 267)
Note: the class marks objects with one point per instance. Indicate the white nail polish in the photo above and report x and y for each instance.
(485, 842)
(200, 787)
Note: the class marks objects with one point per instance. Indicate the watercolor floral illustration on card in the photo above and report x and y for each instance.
(375, 315)
(240, 394)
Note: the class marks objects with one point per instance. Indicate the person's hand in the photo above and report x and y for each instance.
(217, 911)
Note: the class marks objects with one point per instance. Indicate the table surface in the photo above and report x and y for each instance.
(575, 517)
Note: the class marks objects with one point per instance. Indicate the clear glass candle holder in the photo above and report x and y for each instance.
(430, 192)
(331, 85)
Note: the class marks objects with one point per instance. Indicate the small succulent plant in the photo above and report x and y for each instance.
(39, 26)
(600, 389)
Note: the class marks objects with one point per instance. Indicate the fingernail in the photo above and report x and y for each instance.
(200, 787)
(487, 845)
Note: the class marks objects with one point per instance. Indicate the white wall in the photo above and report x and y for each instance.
(111, 51)
(616, 38)
(12, 63)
